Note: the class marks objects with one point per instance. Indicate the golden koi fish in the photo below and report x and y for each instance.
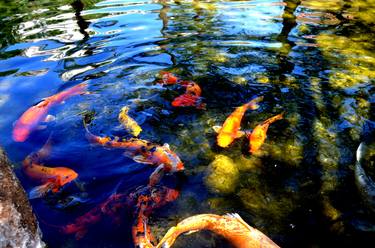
(230, 226)
(259, 134)
(231, 127)
(129, 123)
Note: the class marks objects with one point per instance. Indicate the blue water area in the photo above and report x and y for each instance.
(312, 60)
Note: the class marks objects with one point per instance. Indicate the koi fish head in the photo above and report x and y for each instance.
(20, 134)
(168, 78)
(170, 159)
(193, 89)
(66, 175)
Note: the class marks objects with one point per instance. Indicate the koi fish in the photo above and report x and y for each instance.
(129, 123)
(141, 232)
(231, 127)
(364, 183)
(52, 178)
(258, 135)
(188, 100)
(168, 78)
(230, 226)
(157, 198)
(192, 88)
(144, 199)
(110, 207)
(144, 152)
(31, 118)
(191, 97)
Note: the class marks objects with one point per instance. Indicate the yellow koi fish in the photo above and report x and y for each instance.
(129, 123)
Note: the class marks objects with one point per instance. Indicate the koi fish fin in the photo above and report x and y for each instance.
(41, 127)
(168, 238)
(273, 119)
(253, 104)
(247, 133)
(124, 110)
(41, 191)
(359, 152)
(157, 175)
(45, 151)
(238, 218)
(239, 134)
(49, 118)
(217, 128)
(141, 159)
(128, 154)
(191, 232)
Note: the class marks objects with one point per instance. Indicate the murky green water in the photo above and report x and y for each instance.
(314, 60)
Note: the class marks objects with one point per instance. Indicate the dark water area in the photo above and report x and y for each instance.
(312, 60)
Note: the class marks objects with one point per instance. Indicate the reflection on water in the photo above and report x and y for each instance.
(312, 59)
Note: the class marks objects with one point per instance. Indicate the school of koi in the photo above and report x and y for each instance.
(145, 199)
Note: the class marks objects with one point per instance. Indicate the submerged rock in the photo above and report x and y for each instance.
(18, 226)
(222, 175)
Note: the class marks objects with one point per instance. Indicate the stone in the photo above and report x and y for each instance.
(18, 225)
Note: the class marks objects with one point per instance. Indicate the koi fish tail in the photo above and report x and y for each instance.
(169, 238)
(273, 119)
(79, 89)
(42, 190)
(89, 136)
(253, 104)
(45, 151)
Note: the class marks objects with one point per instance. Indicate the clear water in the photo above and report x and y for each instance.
(315, 60)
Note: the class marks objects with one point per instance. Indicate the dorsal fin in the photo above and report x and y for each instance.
(239, 219)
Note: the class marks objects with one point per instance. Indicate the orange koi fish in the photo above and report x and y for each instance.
(258, 135)
(142, 236)
(168, 78)
(31, 118)
(230, 226)
(231, 127)
(145, 152)
(52, 178)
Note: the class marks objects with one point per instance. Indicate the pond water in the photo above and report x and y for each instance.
(312, 60)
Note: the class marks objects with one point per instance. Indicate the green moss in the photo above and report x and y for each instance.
(222, 175)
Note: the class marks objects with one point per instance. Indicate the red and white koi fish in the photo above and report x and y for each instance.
(230, 226)
(191, 97)
(231, 127)
(158, 197)
(259, 134)
(52, 178)
(31, 118)
(168, 78)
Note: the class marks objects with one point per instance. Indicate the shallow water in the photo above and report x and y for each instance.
(314, 60)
